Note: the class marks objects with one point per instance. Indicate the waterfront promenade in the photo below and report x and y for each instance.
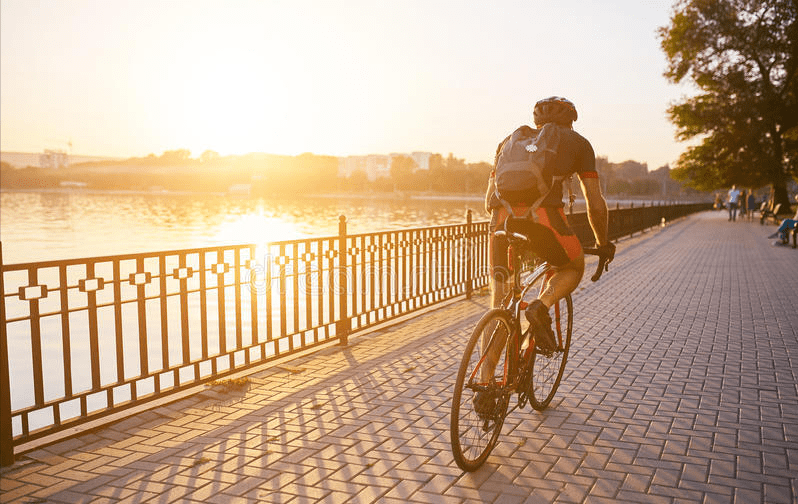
(682, 386)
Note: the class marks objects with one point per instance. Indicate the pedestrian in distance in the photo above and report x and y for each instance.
(751, 204)
(743, 203)
(733, 201)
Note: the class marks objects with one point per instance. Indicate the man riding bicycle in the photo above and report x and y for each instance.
(543, 220)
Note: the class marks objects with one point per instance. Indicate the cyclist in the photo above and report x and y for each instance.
(551, 237)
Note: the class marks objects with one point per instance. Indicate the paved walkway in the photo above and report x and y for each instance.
(682, 386)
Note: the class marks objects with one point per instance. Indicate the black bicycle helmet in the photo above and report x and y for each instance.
(554, 109)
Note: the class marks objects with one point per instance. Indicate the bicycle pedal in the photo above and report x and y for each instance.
(545, 352)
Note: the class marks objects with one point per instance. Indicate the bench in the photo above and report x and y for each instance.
(768, 215)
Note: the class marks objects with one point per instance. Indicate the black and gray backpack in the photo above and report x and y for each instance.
(524, 167)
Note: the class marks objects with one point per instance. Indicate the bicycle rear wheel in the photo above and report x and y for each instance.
(548, 367)
(480, 399)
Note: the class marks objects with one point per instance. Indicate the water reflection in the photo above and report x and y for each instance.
(48, 225)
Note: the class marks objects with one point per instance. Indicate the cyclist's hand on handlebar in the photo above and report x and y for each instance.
(606, 254)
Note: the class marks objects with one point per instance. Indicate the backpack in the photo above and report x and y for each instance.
(524, 171)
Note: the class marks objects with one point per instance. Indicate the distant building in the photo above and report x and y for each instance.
(374, 166)
(422, 160)
(347, 166)
(378, 166)
(48, 159)
(21, 159)
(53, 159)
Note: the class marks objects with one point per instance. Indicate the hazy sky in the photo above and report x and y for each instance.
(347, 77)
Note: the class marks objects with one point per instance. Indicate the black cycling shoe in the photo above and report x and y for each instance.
(540, 322)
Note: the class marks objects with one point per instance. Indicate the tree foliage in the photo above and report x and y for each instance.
(741, 55)
(402, 168)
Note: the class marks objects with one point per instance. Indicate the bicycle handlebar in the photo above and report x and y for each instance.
(515, 236)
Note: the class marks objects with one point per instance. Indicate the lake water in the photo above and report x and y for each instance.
(62, 224)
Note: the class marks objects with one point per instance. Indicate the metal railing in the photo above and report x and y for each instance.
(81, 339)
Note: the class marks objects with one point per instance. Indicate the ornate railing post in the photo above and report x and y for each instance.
(344, 325)
(469, 266)
(6, 437)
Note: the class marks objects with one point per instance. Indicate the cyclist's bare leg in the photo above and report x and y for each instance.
(498, 291)
(563, 281)
(493, 352)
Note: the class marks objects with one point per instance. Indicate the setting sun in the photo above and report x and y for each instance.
(257, 229)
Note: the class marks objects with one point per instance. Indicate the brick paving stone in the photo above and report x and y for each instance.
(370, 494)
(59, 467)
(403, 490)
(137, 498)
(55, 492)
(605, 487)
(18, 494)
(680, 387)
(41, 480)
(223, 498)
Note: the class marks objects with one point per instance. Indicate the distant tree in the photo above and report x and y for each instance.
(402, 168)
(421, 180)
(175, 156)
(631, 169)
(644, 186)
(477, 180)
(619, 187)
(663, 177)
(436, 162)
(323, 170)
(208, 156)
(448, 174)
(455, 164)
(742, 57)
(357, 181)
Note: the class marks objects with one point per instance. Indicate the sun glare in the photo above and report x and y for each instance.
(257, 229)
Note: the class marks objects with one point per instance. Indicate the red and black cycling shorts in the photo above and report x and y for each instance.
(551, 238)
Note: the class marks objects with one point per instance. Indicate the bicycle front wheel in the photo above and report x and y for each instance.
(548, 367)
(482, 391)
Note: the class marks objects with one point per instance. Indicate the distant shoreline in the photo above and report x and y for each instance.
(398, 196)
(369, 196)
(343, 195)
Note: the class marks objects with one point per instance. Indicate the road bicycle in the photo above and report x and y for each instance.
(482, 399)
